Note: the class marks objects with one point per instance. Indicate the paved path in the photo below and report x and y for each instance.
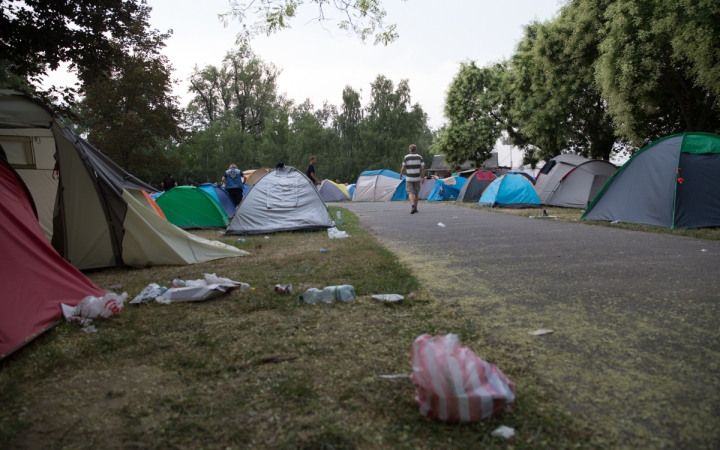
(637, 344)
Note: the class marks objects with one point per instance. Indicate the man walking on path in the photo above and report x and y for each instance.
(415, 167)
(234, 180)
(311, 171)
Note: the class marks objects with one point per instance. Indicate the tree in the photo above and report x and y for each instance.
(38, 35)
(363, 18)
(658, 67)
(130, 110)
(473, 108)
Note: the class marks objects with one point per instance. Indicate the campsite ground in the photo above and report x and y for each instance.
(636, 347)
(260, 370)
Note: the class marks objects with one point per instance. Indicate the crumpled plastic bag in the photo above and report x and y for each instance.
(388, 297)
(208, 288)
(334, 233)
(93, 307)
(454, 385)
(151, 292)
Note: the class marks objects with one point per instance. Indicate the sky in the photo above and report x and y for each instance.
(318, 61)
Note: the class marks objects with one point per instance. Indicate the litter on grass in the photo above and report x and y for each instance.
(388, 297)
(503, 432)
(394, 377)
(283, 288)
(480, 389)
(540, 332)
(151, 292)
(93, 307)
(210, 287)
(334, 233)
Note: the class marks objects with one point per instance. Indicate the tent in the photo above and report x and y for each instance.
(572, 181)
(400, 194)
(254, 177)
(376, 185)
(672, 183)
(475, 185)
(191, 207)
(446, 189)
(221, 196)
(351, 190)
(426, 188)
(35, 279)
(529, 177)
(333, 192)
(282, 200)
(512, 190)
(102, 217)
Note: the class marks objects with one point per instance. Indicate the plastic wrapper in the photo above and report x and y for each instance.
(208, 288)
(334, 233)
(93, 307)
(454, 385)
(151, 292)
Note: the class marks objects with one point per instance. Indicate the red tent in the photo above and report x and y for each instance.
(35, 278)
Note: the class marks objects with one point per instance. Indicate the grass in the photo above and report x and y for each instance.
(191, 375)
(574, 215)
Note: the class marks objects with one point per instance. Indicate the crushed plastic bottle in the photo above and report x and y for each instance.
(176, 283)
(241, 240)
(343, 293)
(244, 287)
(338, 214)
(322, 250)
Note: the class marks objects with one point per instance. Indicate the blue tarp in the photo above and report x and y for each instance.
(510, 191)
(442, 191)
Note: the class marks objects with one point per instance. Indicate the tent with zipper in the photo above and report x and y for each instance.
(333, 192)
(572, 181)
(376, 185)
(36, 280)
(672, 183)
(284, 199)
(192, 207)
(475, 185)
(221, 196)
(512, 190)
(94, 213)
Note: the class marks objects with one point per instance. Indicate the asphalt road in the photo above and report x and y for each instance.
(636, 347)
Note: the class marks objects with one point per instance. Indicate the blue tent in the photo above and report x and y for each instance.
(400, 194)
(510, 191)
(221, 196)
(443, 191)
(351, 190)
(520, 172)
(376, 185)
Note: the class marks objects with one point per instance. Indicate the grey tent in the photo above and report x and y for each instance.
(332, 192)
(95, 214)
(572, 181)
(673, 182)
(282, 200)
(426, 188)
(475, 185)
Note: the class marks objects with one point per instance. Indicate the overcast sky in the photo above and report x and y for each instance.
(317, 61)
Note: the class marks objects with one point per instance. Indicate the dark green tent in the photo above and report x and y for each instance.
(190, 207)
(673, 182)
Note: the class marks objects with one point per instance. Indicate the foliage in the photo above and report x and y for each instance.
(38, 36)
(129, 110)
(362, 18)
(658, 67)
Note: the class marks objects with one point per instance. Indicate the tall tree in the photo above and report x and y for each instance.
(658, 67)
(129, 110)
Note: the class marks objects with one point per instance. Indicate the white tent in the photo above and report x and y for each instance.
(282, 200)
(572, 181)
(376, 186)
(94, 213)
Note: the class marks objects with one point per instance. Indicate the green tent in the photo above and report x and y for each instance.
(190, 207)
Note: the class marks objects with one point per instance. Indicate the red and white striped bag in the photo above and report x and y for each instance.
(454, 385)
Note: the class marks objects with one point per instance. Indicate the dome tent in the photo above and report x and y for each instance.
(475, 185)
(671, 183)
(191, 207)
(221, 196)
(103, 218)
(572, 181)
(333, 192)
(426, 188)
(36, 279)
(511, 190)
(446, 189)
(282, 200)
(376, 185)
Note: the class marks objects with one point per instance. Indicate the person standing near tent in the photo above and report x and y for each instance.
(415, 167)
(169, 182)
(311, 171)
(234, 181)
